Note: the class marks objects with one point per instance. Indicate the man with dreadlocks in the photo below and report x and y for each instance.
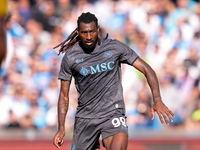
(95, 65)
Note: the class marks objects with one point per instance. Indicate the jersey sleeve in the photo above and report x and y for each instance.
(65, 71)
(127, 55)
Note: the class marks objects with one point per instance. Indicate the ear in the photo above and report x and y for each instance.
(98, 27)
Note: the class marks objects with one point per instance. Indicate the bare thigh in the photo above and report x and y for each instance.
(118, 141)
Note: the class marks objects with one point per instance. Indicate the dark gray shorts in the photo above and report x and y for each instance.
(87, 131)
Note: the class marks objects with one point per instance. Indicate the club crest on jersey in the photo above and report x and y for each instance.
(84, 71)
(108, 54)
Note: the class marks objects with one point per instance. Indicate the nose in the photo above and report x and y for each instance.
(88, 37)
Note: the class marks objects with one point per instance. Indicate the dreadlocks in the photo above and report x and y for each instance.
(73, 38)
(69, 42)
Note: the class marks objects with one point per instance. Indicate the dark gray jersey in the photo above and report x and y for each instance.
(97, 77)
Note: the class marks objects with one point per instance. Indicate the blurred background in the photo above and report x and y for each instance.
(165, 33)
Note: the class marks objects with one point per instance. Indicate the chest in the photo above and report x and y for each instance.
(98, 63)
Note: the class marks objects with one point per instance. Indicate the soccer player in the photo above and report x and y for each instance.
(95, 63)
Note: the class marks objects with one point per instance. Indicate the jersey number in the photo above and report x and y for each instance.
(119, 121)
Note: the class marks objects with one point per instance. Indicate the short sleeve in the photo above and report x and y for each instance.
(65, 71)
(127, 55)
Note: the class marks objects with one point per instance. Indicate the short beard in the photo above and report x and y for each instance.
(88, 48)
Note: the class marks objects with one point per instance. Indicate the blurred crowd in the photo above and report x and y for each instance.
(165, 33)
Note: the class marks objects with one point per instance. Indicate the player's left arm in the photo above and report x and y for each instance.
(158, 105)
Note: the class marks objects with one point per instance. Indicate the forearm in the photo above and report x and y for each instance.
(63, 105)
(153, 83)
(151, 77)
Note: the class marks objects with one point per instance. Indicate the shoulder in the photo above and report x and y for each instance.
(112, 42)
(71, 54)
(72, 51)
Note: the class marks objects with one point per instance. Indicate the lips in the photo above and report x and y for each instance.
(89, 43)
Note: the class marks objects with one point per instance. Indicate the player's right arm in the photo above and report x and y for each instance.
(63, 104)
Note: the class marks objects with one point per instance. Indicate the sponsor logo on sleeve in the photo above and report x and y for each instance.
(79, 60)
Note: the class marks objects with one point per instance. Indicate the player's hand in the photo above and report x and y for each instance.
(163, 112)
(58, 139)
